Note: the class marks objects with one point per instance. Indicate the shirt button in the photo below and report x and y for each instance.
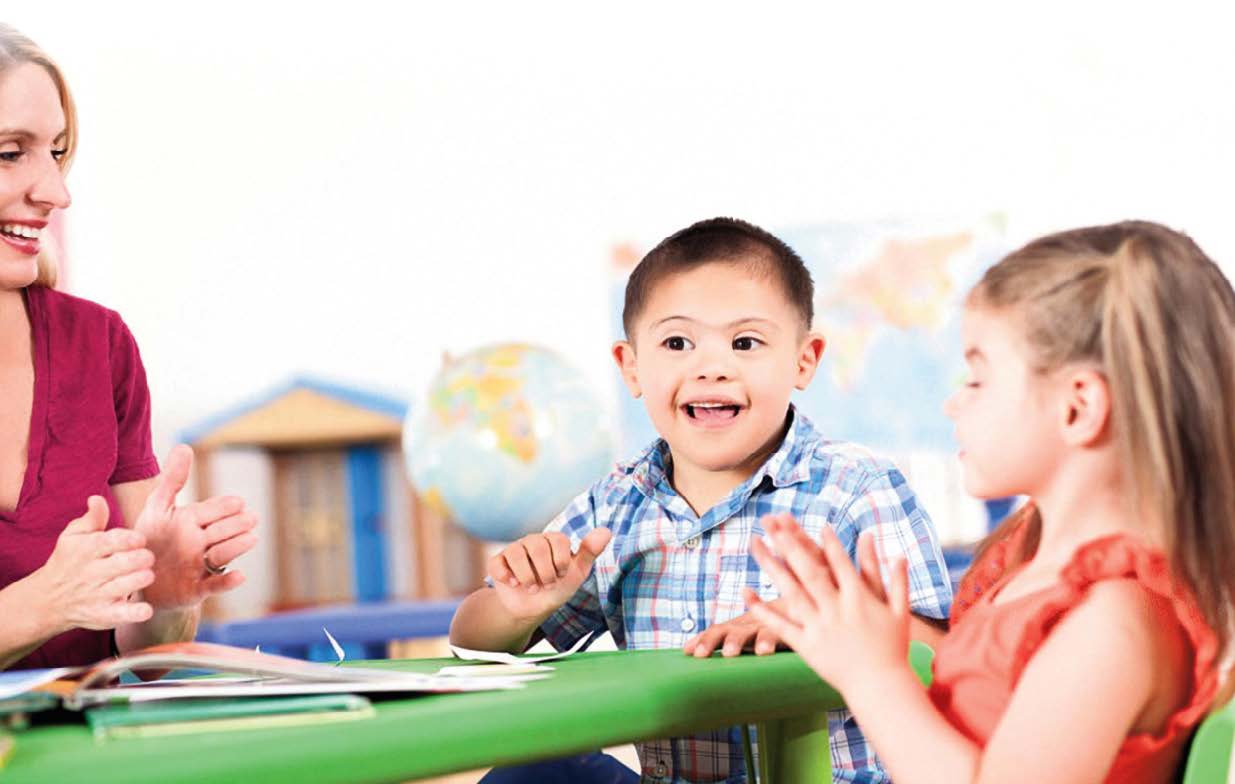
(688, 623)
(692, 543)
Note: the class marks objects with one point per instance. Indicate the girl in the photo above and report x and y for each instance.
(75, 431)
(1101, 367)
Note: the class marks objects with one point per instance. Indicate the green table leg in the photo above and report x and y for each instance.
(795, 750)
(748, 755)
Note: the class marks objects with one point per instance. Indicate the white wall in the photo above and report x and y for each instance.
(268, 188)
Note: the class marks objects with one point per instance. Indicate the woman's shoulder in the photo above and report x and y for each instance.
(64, 302)
(66, 313)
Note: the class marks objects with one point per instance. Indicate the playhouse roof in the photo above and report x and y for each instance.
(301, 413)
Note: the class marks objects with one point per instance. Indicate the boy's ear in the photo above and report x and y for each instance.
(1087, 408)
(624, 356)
(808, 359)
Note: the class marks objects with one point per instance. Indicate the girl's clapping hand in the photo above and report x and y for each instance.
(842, 624)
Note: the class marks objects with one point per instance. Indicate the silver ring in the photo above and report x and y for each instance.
(212, 569)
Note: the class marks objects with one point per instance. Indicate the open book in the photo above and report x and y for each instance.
(246, 673)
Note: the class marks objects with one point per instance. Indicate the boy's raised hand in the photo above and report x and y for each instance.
(538, 573)
(840, 624)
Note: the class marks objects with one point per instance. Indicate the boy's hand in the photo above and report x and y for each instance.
(743, 633)
(537, 574)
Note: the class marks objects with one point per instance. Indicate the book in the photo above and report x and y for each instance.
(245, 673)
(180, 717)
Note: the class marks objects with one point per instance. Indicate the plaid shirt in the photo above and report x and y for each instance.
(668, 573)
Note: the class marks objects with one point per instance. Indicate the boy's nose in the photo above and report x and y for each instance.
(713, 363)
(717, 375)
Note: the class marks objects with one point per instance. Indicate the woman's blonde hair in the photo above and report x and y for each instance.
(16, 49)
(1147, 308)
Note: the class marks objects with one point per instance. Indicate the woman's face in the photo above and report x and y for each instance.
(32, 137)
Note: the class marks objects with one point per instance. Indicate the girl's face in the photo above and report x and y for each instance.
(1005, 415)
(32, 131)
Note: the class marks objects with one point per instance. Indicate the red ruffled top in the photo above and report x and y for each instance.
(980, 661)
(985, 572)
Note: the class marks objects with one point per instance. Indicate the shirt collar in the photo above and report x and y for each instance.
(785, 467)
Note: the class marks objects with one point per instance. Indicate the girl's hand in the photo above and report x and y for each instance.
(90, 575)
(537, 574)
(843, 626)
(185, 539)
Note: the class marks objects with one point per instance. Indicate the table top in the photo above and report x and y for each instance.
(591, 701)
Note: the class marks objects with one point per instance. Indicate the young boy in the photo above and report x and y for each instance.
(717, 320)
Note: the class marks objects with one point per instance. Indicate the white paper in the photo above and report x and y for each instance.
(493, 669)
(411, 683)
(502, 657)
(338, 649)
(18, 682)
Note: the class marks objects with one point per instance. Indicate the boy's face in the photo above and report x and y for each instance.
(715, 355)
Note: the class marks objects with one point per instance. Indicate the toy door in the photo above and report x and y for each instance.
(367, 499)
(313, 530)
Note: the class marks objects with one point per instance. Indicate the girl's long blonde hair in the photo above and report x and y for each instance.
(1147, 308)
(16, 49)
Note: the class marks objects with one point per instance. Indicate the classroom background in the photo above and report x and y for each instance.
(306, 213)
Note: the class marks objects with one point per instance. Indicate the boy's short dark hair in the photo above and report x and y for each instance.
(720, 240)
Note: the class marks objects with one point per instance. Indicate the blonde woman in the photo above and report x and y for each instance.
(95, 555)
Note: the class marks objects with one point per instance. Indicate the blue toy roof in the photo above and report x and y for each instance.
(376, 402)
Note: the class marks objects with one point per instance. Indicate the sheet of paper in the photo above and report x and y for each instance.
(182, 682)
(413, 683)
(338, 649)
(502, 657)
(17, 682)
(491, 669)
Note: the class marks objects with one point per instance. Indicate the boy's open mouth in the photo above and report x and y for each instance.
(707, 411)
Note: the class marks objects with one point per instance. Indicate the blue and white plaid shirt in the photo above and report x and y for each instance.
(668, 573)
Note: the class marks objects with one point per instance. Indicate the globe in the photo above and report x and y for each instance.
(504, 437)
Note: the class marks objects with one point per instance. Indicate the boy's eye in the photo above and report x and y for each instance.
(59, 154)
(10, 156)
(677, 343)
(745, 343)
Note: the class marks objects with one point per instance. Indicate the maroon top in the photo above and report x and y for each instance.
(89, 429)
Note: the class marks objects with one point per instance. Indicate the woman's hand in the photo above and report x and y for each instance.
(186, 539)
(90, 575)
(840, 623)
